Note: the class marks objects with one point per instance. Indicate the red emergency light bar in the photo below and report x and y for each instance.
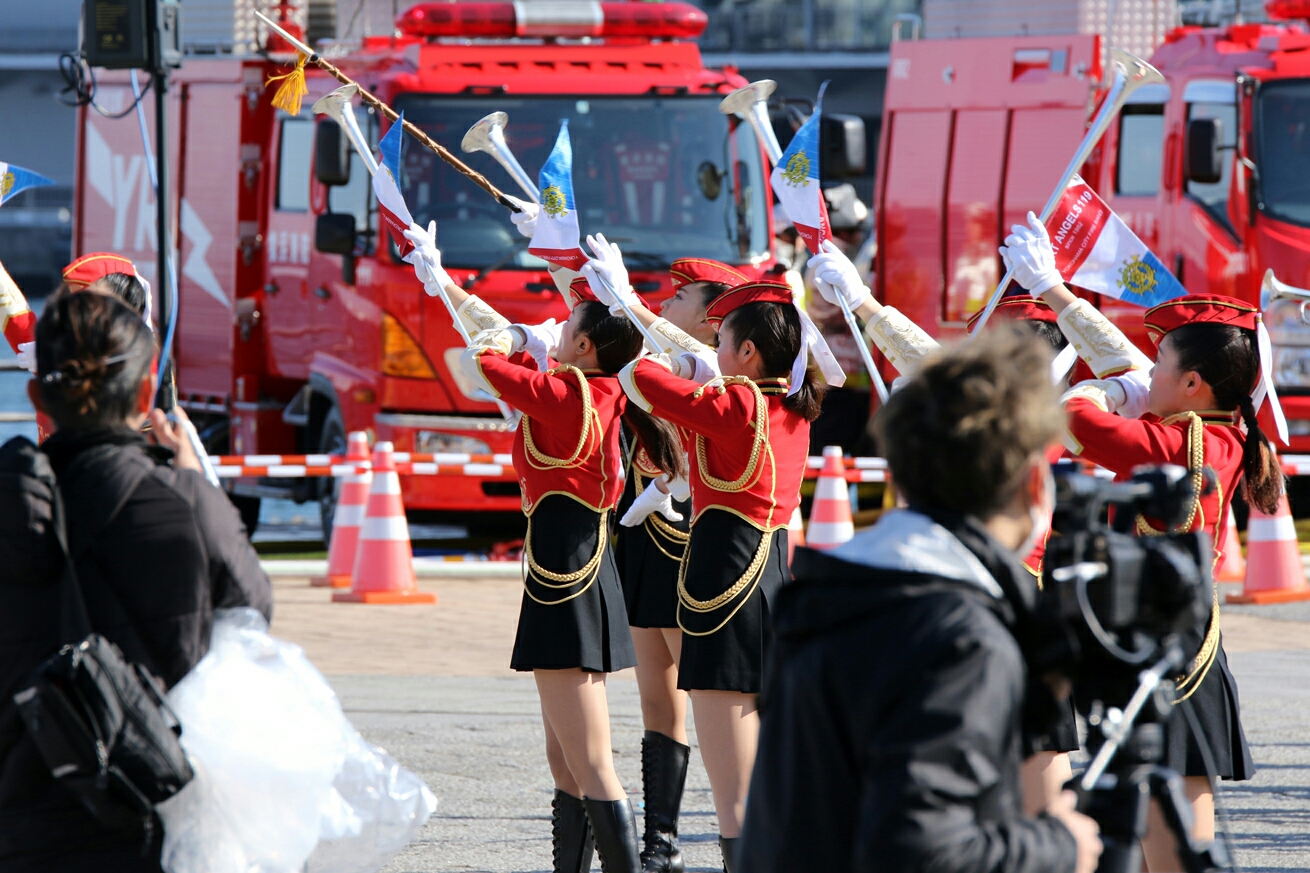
(553, 18)
(1287, 10)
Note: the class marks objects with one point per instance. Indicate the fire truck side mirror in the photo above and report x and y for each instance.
(331, 154)
(334, 233)
(1204, 154)
(842, 146)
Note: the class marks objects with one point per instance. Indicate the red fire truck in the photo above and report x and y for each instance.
(297, 321)
(1208, 169)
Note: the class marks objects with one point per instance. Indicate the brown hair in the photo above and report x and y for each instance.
(617, 343)
(92, 351)
(1226, 357)
(959, 434)
(775, 328)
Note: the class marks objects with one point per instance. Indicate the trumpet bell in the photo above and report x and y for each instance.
(334, 102)
(1271, 290)
(1137, 71)
(479, 136)
(739, 102)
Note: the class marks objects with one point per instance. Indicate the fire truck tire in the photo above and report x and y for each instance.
(248, 507)
(331, 441)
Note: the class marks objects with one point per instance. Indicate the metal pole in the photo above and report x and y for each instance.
(167, 396)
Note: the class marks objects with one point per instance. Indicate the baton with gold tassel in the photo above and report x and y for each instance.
(293, 89)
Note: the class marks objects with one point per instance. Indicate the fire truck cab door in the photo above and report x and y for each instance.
(289, 301)
(1212, 260)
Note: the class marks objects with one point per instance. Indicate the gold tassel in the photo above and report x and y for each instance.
(293, 87)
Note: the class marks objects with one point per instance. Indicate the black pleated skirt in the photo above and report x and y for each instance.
(1219, 717)
(648, 556)
(571, 625)
(725, 648)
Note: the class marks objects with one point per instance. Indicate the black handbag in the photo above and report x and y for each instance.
(101, 723)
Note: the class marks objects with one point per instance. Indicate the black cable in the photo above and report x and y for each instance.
(80, 81)
(1212, 773)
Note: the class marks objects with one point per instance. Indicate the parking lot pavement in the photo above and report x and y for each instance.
(431, 685)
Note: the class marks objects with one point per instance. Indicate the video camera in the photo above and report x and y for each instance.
(1120, 617)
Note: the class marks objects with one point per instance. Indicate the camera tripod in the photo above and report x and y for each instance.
(1125, 775)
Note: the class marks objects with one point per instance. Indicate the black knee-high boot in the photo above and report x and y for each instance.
(727, 846)
(571, 840)
(663, 774)
(615, 829)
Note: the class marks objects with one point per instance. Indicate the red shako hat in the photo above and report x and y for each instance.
(580, 290)
(1019, 307)
(751, 292)
(1199, 309)
(686, 271)
(87, 269)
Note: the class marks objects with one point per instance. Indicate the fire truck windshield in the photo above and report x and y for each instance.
(663, 177)
(1283, 144)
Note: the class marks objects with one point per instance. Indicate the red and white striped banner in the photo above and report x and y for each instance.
(407, 464)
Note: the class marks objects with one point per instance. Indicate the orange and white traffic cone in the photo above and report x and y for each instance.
(1232, 567)
(384, 562)
(831, 523)
(1273, 560)
(795, 533)
(347, 518)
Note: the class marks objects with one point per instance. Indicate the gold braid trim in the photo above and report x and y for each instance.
(540, 574)
(542, 461)
(1186, 685)
(760, 424)
(746, 582)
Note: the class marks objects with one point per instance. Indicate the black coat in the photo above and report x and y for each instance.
(891, 724)
(174, 549)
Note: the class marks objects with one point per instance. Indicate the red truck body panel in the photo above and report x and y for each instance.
(978, 131)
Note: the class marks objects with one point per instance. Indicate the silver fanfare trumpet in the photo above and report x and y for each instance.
(337, 104)
(751, 102)
(1130, 73)
(488, 135)
(1271, 289)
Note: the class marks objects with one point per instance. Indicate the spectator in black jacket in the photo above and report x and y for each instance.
(157, 550)
(890, 735)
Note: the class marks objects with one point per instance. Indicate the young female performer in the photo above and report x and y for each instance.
(649, 551)
(572, 623)
(748, 432)
(1197, 410)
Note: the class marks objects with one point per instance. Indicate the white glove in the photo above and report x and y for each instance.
(1027, 251)
(606, 274)
(426, 259)
(27, 356)
(525, 221)
(837, 278)
(1136, 386)
(539, 340)
(648, 501)
(679, 488)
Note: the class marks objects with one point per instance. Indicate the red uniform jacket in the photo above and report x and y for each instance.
(1120, 444)
(552, 406)
(724, 416)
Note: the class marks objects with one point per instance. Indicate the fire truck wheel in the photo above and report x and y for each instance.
(331, 441)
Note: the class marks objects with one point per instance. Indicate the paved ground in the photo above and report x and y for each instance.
(431, 685)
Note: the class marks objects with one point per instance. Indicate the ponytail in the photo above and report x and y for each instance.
(1262, 478)
(659, 439)
(807, 402)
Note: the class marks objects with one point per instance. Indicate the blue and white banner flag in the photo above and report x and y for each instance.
(796, 181)
(15, 179)
(1096, 251)
(557, 236)
(391, 204)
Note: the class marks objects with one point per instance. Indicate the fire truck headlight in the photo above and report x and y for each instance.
(438, 443)
(1290, 336)
(401, 354)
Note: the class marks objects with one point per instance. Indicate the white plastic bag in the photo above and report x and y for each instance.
(278, 766)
